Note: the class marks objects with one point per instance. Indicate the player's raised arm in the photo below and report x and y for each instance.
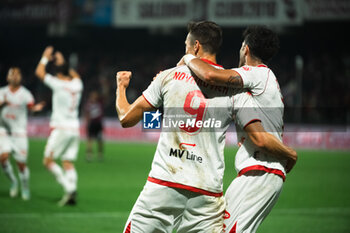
(40, 71)
(129, 114)
(270, 144)
(211, 75)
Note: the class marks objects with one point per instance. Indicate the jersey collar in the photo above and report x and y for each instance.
(210, 62)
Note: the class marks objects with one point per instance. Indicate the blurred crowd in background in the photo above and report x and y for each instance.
(315, 90)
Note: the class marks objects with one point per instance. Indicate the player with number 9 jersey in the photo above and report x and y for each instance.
(188, 157)
(184, 190)
(192, 157)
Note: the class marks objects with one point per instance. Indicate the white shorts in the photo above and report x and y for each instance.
(62, 144)
(5, 143)
(20, 148)
(249, 199)
(162, 209)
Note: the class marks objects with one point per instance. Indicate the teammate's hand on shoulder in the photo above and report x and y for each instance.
(123, 78)
(48, 52)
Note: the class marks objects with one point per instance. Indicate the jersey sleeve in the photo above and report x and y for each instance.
(52, 82)
(251, 81)
(153, 93)
(245, 110)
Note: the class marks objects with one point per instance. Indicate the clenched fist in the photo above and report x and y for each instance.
(123, 78)
(48, 52)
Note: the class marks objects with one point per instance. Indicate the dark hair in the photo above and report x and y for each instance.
(63, 69)
(263, 43)
(209, 35)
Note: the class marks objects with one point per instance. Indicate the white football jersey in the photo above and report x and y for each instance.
(2, 126)
(192, 156)
(66, 95)
(15, 112)
(264, 88)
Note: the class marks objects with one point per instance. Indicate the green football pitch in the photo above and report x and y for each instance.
(315, 198)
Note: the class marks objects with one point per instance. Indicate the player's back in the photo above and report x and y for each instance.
(66, 98)
(188, 152)
(264, 88)
(15, 112)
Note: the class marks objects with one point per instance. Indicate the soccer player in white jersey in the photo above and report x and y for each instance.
(184, 187)
(63, 142)
(14, 114)
(252, 195)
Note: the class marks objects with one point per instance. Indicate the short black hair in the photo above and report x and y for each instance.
(263, 43)
(63, 69)
(208, 33)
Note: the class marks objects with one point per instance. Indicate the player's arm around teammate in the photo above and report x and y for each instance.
(129, 114)
(209, 74)
(230, 78)
(262, 139)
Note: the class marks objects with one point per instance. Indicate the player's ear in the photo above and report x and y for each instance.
(196, 47)
(246, 50)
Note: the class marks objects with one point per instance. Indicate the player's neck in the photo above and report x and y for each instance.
(14, 88)
(63, 77)
(209, 57)
(252, 62)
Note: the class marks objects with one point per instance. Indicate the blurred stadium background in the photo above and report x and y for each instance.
(146, 36)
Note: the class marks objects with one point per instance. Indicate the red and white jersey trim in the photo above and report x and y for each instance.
(262, 168)
(211, 63)
(181, 186)
(148, 101)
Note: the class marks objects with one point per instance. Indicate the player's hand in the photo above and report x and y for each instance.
(181, 62)
(39, 106)
(48, 53)
(123, 78)
(59, 58)
(292, 160)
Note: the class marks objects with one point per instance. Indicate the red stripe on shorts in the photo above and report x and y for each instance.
(128, 228)
(262, 168)
(181, 186)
